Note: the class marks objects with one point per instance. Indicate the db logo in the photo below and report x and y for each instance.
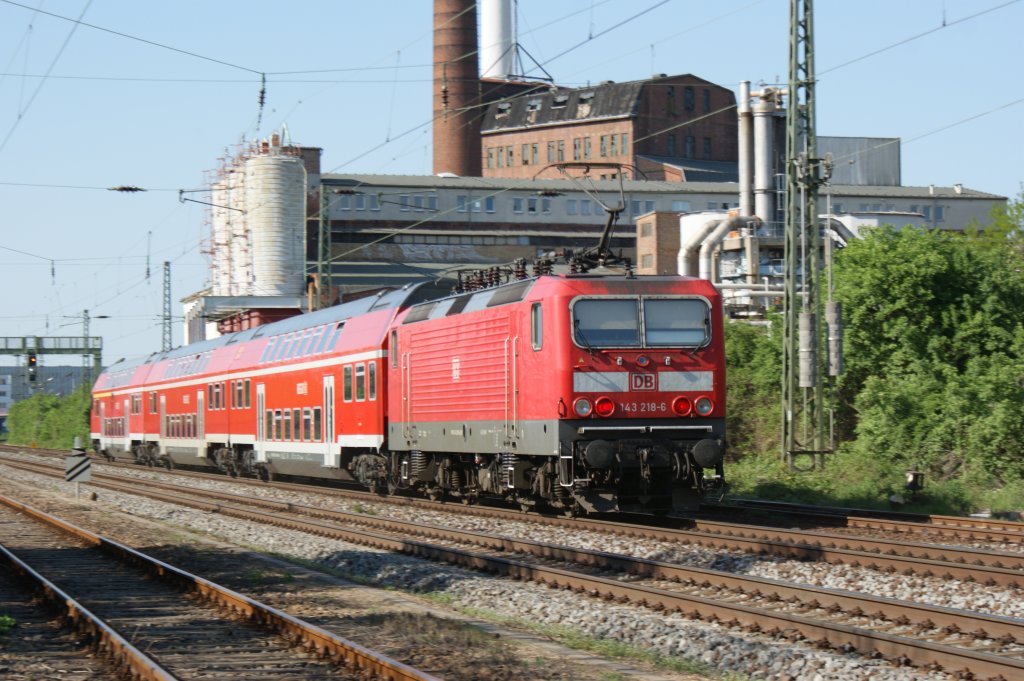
(642, 382)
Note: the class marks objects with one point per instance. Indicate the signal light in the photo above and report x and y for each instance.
(33, 361)
(604, 407)
(704, 406)
(582, 407)
(682, 406)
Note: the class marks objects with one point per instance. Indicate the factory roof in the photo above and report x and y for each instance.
(491, 184)
(560, 106)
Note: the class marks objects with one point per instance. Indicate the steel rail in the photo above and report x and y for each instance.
(300, 633)
(991, 625)
(939, 521)
(972, 565)
(979, 529)
(125, 657)
(837, 635)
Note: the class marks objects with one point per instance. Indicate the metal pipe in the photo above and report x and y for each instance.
(764, 119)
(746, 150)
(689, 244)
(707, 249)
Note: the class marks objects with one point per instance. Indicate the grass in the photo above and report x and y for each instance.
(366, 510)
(6, 624)
(863, 482)
(266, 577)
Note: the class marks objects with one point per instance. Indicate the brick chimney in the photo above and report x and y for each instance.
(457, 113)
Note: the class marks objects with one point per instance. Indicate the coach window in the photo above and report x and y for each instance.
(536, 327)
(297, 423)
(277, 424)
(317, 433)
(287, 434)
(246, 393)
(346, 383)
(394, 348)
(268, 350)
(360, 382)
(269, 427)
(209, 398)
(307, 424)
(372, 369)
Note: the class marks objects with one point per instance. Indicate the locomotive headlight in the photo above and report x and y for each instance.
(582, 406)
(704, 406)
(682, 406)
(604, 407)
(643, 360)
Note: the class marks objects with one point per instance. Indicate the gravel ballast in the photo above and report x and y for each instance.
(720, 647)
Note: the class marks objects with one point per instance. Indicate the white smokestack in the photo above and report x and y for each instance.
(497, 39)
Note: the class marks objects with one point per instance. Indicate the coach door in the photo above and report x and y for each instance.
(163, 424)
(200, 419)
(127, 441)
(261, 421)
(328, 420)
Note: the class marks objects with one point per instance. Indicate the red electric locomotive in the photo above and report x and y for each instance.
(578, 392)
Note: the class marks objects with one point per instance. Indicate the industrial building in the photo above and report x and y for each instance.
(285, 237)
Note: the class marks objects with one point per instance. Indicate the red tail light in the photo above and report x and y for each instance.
(604, 407)
(682, 406)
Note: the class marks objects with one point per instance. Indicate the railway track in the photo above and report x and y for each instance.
(760, 539)
(956, 640)
(992, 530)
(949, 562)
(151, 620)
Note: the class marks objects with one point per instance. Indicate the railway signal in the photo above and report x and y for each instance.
(33, 362)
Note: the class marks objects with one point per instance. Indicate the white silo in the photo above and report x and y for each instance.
(275, 199)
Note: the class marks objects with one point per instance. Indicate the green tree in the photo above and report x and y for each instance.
(935, 350)
(50, 421)
(753, 356)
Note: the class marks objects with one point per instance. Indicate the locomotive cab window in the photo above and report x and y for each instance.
(606, 322)
(676, 322)
(646, 322)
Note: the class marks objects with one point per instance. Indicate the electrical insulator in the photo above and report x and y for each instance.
(808, 356)
(834, 322)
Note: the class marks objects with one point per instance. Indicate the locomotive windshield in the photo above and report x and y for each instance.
(624, 322)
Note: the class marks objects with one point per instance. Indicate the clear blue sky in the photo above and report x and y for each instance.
(118, 111)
